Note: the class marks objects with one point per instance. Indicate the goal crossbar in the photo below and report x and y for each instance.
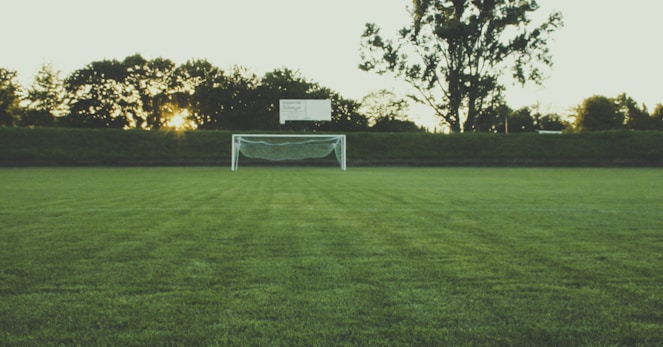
(287, 147)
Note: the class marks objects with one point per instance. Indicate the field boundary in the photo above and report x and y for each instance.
(112, 147)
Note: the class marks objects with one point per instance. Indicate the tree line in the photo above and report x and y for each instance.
(599, 112)
(456, 55)
(595, 113)
(137, 93)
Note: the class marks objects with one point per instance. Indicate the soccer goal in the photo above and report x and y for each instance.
(287, 147)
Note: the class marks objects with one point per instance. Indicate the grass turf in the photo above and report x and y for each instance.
(316, 256)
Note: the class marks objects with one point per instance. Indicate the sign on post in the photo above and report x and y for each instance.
(304, 110)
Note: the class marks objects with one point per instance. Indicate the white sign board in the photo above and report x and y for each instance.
(304, 110)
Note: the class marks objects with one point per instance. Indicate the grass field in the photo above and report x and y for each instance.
(317, 256)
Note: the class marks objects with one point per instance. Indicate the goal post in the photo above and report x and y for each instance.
(281, 147)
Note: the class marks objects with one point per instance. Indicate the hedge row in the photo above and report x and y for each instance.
(53, 146)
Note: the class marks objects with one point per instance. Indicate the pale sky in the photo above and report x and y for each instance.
(606, 46)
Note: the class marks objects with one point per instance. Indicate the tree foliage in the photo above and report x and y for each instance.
(384, 105)
(46, 98)
(98, 97)
(657, 118)
(151, 94)
(386, 112)
(454, 53)
(9, 98)
(635, 117)
(521, 121)
(553, 122)
(149, 81)
(598, 113)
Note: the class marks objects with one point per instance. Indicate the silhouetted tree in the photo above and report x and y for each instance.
(241, 102)
(98, 97)
(657, 117)
(9, 98)
(196, 88)
(454, 52)
(387, 113)
(383, 104)
(521, 121)
(551, 122)
(151, 94)
(150, 80)
(598, 113)
(492, 119)
(636, 118)
(46, 99)
(345, 115)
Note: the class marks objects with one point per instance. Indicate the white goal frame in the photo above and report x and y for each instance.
(236, 145)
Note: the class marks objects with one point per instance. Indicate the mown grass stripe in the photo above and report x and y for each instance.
(301, 256)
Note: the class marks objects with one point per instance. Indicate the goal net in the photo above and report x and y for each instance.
(287, 147)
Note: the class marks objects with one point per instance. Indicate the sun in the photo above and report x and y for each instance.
(180, 121)
(177, 121)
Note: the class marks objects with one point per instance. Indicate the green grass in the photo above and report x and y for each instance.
(305, 257)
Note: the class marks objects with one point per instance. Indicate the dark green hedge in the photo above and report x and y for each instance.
(51, 146)
(585, 149)
(55, 146)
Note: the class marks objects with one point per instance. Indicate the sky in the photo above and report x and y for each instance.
(606, 47)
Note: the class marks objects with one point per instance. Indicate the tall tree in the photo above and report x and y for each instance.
(636, 118)
(521, 121)
(10, 98)
(46, 98)
(493, 119)
(240, 101)
(150, 81)
(382, 105)
(193, 89)
(98, 97)
(216, 99)
(386, 112)
(552, 122)
(455, 52)
(657, 117)
(598, 113)
(345, 113)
